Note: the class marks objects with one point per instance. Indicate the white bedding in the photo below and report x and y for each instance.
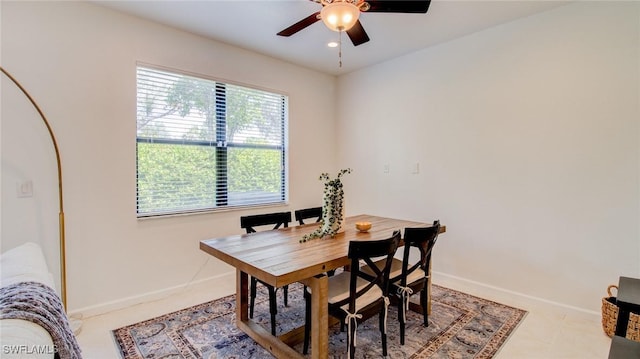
(20, 338)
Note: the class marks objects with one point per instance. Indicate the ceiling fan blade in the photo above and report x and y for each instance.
(404, 6)
(357, 34)
(309, 20)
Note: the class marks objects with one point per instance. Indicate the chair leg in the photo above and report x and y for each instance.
(273, 308)
(401, 317)
(286, 295)
(424, 300)
(383, 334)
(252, 294)
(350, 341)
(307, 321)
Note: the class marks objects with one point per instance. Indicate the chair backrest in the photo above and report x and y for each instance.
(277, 219)
(424, 239)
(367, 251)
(306, 213)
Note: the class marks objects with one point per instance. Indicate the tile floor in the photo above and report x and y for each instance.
(547, 332)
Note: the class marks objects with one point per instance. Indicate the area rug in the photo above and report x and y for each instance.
(460, 326)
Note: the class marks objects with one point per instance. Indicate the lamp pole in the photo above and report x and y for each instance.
(63, 261)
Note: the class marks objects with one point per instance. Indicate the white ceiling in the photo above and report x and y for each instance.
(253, 24)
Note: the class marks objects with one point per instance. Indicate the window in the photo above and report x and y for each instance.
(204, 144)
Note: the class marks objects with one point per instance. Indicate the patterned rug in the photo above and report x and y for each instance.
(460, 326)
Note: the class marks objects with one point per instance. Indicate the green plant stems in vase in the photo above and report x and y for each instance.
(332, 207)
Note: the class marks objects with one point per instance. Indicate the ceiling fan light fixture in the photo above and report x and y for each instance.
(340, 15)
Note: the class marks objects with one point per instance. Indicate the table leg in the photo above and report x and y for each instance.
(242, 296)
(273, 344)
(319, 316)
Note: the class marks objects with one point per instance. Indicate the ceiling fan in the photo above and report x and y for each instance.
(342, 15)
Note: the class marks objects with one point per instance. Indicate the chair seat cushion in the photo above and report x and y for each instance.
(339, 290)
(396, 271)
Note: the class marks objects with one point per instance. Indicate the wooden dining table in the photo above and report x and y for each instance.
(278, 257)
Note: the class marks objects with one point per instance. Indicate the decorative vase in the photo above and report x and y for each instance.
(333, 214)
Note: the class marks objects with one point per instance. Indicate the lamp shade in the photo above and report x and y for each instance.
(340, 15)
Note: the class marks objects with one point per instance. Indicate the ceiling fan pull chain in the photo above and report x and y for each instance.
(340, 50)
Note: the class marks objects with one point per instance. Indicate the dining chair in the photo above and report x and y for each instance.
(277, 219)
(307, 213)
(409, 278)
(353, 299)
(249, 223)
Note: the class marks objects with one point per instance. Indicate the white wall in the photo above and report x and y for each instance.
(78, 61)
(527, 140)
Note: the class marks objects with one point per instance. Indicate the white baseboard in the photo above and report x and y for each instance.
(509, 297)
(107, 307)
(483, 290)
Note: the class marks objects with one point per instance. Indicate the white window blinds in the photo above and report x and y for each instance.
(205, 144)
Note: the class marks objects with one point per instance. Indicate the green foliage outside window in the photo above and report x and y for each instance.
(175, 176)
(246, 163)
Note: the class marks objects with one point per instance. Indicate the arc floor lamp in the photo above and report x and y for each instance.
(63, 264)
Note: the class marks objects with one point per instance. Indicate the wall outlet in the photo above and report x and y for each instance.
(415, 168)
(24, 189)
